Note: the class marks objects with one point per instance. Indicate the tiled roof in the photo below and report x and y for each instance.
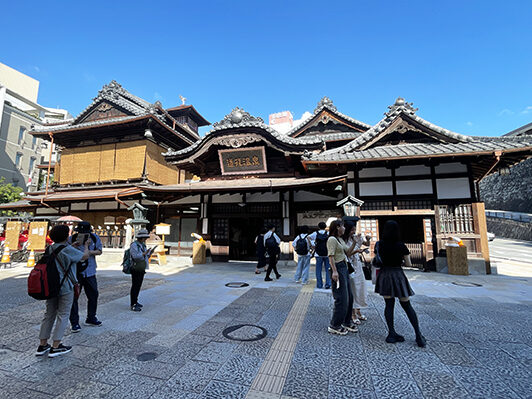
(326, 103)
(400, 108)
(115, 94)
(523, 130)
(238, 118)
(415, 150)
(243, 183)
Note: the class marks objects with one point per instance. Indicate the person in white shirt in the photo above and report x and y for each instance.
(271, 244)
(302, 246)
(319, 248)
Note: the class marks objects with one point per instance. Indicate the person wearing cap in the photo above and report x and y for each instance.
(87, 277)
(140, 256)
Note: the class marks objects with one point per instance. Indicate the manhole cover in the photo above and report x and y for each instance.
(146, 356)
(244, 332)
(467, 284)
(237, 285)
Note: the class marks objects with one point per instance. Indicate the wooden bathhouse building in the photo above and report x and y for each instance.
(243, 174)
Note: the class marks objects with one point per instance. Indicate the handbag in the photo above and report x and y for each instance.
(366, 268)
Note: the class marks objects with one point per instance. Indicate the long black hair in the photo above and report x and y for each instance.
(348, 227)
(391, 232)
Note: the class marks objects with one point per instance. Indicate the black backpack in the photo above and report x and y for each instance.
(321, 244)
(271, 245)
(302, 246)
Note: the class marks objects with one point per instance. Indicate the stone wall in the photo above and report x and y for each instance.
(507, 228)
(512, 192)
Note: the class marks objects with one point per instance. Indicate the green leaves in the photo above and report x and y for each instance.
(9, 193)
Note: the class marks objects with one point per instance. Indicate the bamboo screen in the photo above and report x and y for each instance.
(37, 235)
(120, 161)
(13, 229)
(157, 169)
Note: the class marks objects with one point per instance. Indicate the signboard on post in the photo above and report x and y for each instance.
(37, 235)
(243, 161)
(162, 229)
(13, 229)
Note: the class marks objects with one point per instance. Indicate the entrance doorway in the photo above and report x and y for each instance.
(242, 233)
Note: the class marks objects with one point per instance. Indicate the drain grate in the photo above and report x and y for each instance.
(237, 285)
(465, 284)
(245, 332)
(146, 356)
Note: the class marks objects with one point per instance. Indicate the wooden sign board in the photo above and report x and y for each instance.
(37, 235)
(242, 161)
(13, 230)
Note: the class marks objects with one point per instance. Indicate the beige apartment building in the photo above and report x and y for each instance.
(22, 156)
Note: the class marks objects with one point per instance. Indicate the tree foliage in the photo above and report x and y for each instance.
(9, 193)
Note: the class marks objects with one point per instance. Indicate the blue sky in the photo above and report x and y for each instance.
(467, 65)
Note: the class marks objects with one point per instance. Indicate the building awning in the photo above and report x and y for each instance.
(245, 184)
(22, 204)
(86, 194)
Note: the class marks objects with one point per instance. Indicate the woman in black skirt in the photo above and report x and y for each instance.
(392, 282)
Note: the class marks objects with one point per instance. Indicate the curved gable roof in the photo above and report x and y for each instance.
(322, 113)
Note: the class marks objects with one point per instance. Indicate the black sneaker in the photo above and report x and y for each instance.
(351, 327)
(393, 338)
(338, 331)
(76, 328)
(60, 350)
(136, 308)
(268, 279)
(278, 276)
(421, 341)
(94, 323)
(140, 304)
(42, 349)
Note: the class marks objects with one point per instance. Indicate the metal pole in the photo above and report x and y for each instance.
(49, 163)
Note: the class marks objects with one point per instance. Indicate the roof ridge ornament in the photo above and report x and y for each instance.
(324, 102)
(237, 117)
(400, 105)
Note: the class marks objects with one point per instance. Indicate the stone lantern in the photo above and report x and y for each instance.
(350, 206)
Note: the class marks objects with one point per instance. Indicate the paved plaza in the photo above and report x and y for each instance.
(479, 339)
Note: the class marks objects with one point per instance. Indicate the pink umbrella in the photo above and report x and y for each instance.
(69, 218)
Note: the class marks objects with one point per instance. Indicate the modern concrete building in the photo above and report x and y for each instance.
(21, 153)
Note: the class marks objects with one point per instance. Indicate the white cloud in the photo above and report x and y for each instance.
(36, 68)
(527, 110)
(506, 111)
(469, 123)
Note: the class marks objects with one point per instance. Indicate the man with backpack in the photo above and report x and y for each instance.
(86, 275)
(302, 247)
(271, 243)
(62, 260)
(319, 244)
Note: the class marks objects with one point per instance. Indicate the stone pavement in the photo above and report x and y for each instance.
(479, 340)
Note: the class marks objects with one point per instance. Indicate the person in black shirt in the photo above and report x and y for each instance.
(261, 251)
(392, 282)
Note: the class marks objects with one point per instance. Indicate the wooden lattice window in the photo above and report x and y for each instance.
(456, 219)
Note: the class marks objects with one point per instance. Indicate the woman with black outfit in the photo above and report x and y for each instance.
(392, 282)
(140, 256)
(338, 251)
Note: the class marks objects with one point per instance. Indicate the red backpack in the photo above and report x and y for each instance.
(43, 281)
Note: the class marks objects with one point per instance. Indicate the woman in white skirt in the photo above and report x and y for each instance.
(357, 279)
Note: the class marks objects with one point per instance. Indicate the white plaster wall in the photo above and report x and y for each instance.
(106, 205)
(414, 187)
(374, 172)
(377, 188)
(451, 167)
(79, 206)
(226, 198)
(262, 197)
(411, 170)
(453, 188)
